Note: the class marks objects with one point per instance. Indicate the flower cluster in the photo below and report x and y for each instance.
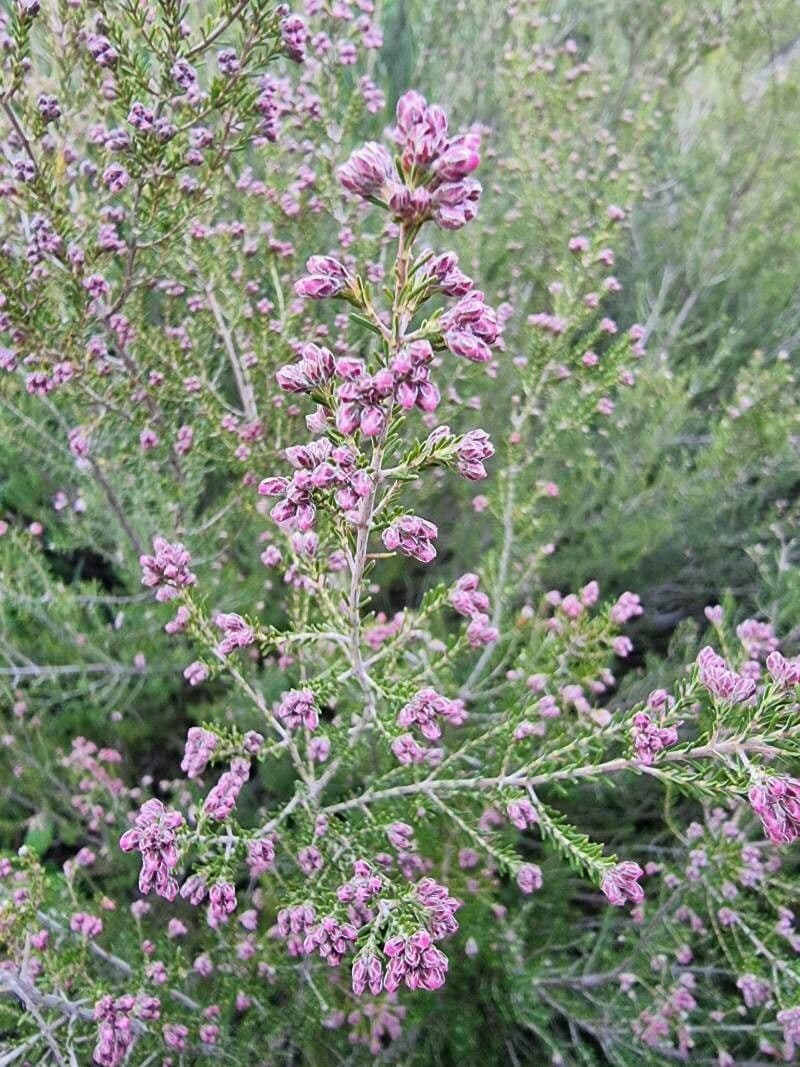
(154, 836)
(776, 801)
(167, 570)
(722, 682)
(431, 178)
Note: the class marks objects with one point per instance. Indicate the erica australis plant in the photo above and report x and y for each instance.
(301, 777)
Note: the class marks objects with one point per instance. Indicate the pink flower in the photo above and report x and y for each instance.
(785, 672)
(155, 838)
(315, 368)
(413, 537)
(200, 745)
(620, 884)
(195, 673)
(723, 683)
(649, 738)
(626, 608)
(529, 878)
(776, 801)
(472, 449)
(415, 961)
(470, 328)
(221, 800)
(298, 708)
(367, 971)
(369, 171)
(237, 633)
(465, 597)
(167, 570)
(427, 708)
(330, 939)
(221, 903)
(326, 277)
(622, 646)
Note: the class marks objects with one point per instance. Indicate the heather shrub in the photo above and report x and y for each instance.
(397, 546)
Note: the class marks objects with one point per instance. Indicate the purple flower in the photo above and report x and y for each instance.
(175, 1035)
(86, 925)
(316, 368)
(154, 836)
(723, 683)
(221, 800)
(421, 130)
(49, 107)
(529, 878)
(455, 204)
(758, 638)
(412, 380)
(183, 74)
(472, 449)
(200, 745)
(237, 633)
(296, 504)
(522, 814)
(260, 856)
(361, 398)
(367, 971)
(414, 961)
(298, 708)
(426, 710)
(167, 570)
(101, 50)
(221, 903)
(407, 750)
(78, 442)
(620, 884)
(369, 171)
(326, 277)
(649, 738)
(195, 673)
(330, 939)
(460, 158)
(413, 537)
(442, 274)
(293, 37)
(228, 61)
(785, 672)
(142, 118)
(470, 328)
(776, 801)
(115, 1031)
